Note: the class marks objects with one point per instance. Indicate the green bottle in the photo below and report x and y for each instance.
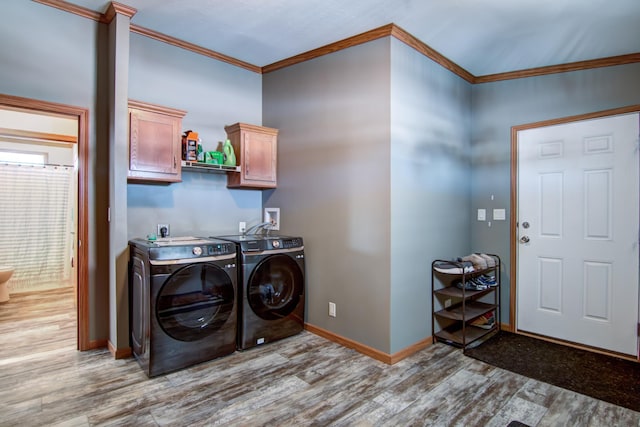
(229, 155)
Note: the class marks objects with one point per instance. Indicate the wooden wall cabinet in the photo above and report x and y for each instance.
(256, 150)
(155, 143)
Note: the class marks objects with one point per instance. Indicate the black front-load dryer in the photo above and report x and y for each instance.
(183, 302)
(271, 288)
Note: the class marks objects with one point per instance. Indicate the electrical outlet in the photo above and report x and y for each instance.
(165, 228)
(242, 227)
(332, 309)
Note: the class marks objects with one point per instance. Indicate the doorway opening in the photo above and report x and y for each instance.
(79, 116)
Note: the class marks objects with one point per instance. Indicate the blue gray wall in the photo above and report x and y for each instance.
(54, 56)
(333, 113)
(214, 94)
(430, 159)
(374, 174)
(499, 106)
(373, 145)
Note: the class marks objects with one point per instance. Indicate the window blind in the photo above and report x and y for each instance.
(36, 208)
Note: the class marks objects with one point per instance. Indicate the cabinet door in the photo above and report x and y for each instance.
(259, 158)
(256, 150)
(154, 146)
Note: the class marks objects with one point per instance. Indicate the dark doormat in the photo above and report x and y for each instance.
(602, 377)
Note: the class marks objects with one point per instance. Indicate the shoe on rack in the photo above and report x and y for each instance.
(479, 285)
(470, 285)
(491, 261)
(486, 321)
(479, 263)
(486, 280)
(450, 267)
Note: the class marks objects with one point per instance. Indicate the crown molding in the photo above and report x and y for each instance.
(430, 53)
(561, 68)
(385, 31)
(193, 48)
(72, 8)
(377, 33)
(365, 37)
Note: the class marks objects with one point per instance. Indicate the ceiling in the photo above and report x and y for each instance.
(482, 36)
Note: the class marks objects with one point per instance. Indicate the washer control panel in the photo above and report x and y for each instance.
(292, 242)
(191, 251)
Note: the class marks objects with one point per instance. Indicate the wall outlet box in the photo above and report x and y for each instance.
(332, 309)
(167, 230)
(272, 216)
(242, 227)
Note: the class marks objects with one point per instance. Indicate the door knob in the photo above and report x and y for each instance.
(524, 239)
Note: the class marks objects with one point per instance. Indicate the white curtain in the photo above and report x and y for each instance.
(36, 218)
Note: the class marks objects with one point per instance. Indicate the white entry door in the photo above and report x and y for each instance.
(578, 229)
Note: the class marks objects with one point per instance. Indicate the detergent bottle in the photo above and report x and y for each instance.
(229, 155)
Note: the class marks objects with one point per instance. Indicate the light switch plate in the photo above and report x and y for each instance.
(482, 214)
(499, 214)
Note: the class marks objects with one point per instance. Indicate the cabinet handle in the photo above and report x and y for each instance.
(174, 162)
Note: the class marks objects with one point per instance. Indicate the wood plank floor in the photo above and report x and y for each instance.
(300, 381)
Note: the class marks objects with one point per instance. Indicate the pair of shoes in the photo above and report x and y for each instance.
(486, 280)
(486, 321)
(452, 267)
(471, 285)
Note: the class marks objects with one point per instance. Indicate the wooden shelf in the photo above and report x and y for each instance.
(456, 336)
(474, 273)
(207, 167)
(455, 292)
(472, 310)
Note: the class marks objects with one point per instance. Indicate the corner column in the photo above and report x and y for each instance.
(118, 18)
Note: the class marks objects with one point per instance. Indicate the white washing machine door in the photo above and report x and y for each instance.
(275, 287)
(195, 302)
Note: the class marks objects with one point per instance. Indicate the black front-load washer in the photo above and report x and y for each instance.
(183, 302)
(271, 288)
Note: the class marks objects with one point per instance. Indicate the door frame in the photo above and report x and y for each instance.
(513, 218)
(82, 116)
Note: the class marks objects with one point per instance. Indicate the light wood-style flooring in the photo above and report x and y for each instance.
(300, 381)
